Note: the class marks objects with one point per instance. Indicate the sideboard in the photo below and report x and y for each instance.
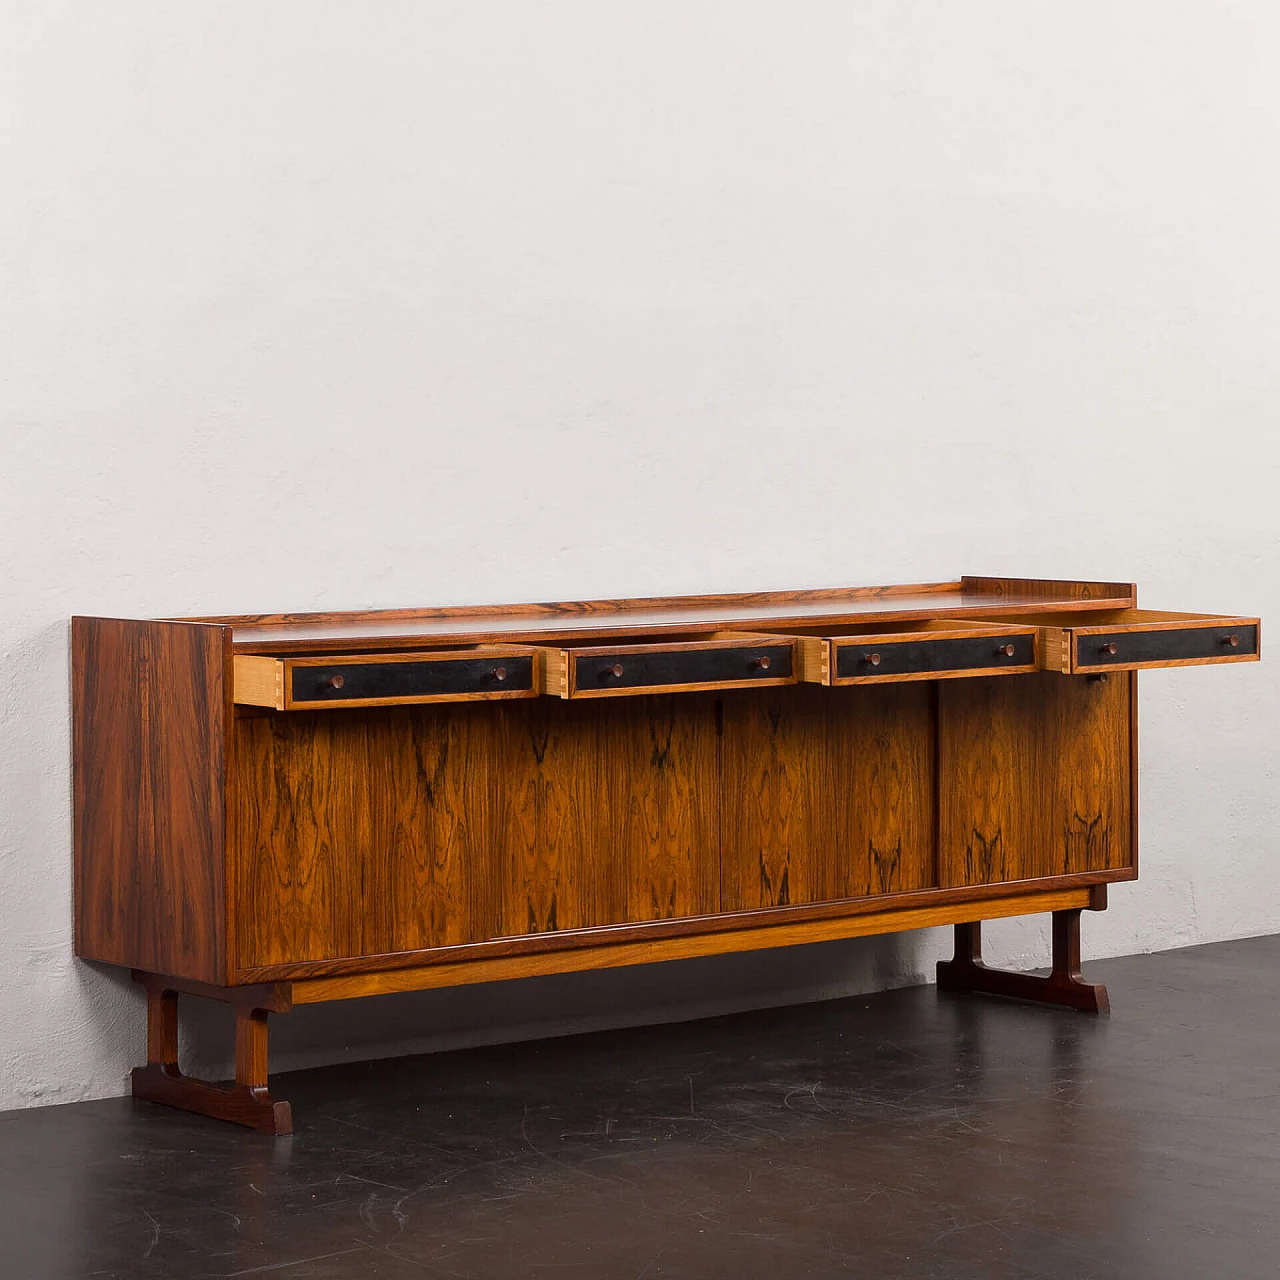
(274, 810)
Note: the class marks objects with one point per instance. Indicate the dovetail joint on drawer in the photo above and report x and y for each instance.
(553, 670)
(257, 681)
(1055, 649)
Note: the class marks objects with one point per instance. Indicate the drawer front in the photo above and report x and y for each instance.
(1165, 646)
(868, 659)
(600, 672)
(389, 682)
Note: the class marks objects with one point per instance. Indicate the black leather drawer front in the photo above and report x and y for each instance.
(1190, 644)
(922, 657)
(597, 672)
(404, 681)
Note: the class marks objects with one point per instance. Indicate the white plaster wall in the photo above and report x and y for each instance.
(342, 305)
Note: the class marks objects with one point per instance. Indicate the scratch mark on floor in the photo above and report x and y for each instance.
(373, 1182)
(155, 1234)
(811, 1090)
(295, 1262)
(649, 1266)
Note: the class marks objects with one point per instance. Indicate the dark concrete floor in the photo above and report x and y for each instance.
(903, 1134)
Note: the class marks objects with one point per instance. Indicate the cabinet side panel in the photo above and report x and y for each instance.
(828, 794)
(1033, 778)
(150, 709)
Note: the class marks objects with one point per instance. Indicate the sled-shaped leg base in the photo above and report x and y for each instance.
(245, 1102)
(1064, 985)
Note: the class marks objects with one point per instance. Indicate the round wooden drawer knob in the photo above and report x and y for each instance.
(763, 662)
(1110, 648)
(1233, 641)
(616, 669)
(335, 682)
(499, 673)
(1007, 650)
(873, 658)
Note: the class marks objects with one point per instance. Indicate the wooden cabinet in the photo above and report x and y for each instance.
(285, 809)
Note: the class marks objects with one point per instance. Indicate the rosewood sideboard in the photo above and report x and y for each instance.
(278, 810)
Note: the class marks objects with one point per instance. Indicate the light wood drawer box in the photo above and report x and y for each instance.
(934, 650)
(675, 665)
(386, 679)
(1137, 639)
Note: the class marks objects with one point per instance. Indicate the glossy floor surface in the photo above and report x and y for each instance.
(904, 1134)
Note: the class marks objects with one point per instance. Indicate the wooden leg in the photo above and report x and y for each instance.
(162, 1027)
(251, 1049)
(247, 1102)
(1063, 986)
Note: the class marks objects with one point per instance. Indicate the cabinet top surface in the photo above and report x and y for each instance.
(399, 628)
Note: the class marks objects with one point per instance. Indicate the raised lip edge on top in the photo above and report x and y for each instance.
(605, 618)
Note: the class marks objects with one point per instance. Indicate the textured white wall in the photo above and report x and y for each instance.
(310, 306)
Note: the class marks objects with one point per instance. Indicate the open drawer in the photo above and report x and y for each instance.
(386, 679)
(936, 649)
(1134, 639)
(713, 660)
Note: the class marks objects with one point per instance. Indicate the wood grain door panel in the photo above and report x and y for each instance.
(1033, 778)
(828, 794)
(408, 828)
